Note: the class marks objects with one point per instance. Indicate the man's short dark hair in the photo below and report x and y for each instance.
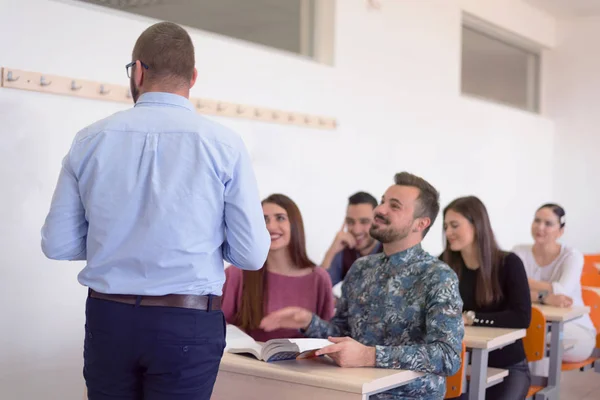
(168, 51)
(428, 200)
(362, 198)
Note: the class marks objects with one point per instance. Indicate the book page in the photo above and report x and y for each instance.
(239, 341)
(310, 344)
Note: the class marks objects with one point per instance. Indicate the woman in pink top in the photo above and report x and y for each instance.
(288, 278)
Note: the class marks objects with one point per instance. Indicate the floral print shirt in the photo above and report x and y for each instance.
(409, 308)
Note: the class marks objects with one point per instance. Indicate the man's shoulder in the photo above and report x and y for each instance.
(435, 269)
(369, 259)
(134, 120)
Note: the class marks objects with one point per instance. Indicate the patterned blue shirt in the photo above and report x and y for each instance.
(155, 198)
(409, 307)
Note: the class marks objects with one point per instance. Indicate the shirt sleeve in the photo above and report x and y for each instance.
(570, 274)
(247, 240)
(65, 229)
(338, 325)
(515, 287)
(336, 269)
(440, 352)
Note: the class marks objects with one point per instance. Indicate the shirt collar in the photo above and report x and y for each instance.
(164, 99)
(406, 256)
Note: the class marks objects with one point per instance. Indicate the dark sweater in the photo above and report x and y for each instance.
(513, 311)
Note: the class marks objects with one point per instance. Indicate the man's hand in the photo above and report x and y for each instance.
(348, 353)
(342, 240)
(558, 300)
(288, 317)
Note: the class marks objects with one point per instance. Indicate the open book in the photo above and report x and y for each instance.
(239, 341)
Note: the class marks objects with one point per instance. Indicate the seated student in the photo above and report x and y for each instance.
(353, 240)
(493, 286)
(554, 272)
(288, 278)
(399, 309)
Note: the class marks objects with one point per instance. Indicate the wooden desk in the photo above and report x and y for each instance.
(555, 320)
(480, 341)
(243, 377)
(558, 314)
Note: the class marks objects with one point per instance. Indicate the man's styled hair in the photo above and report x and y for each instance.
(428, 200)
(362, 198)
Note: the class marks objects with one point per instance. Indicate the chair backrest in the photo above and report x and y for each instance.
(592, 299)
(454, 383)
(590, 279)
(535, 339)
(589, 264)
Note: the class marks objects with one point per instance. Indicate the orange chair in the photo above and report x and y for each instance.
(590, 279)
(589, 264)
(535, 343)
(591, 299)
(454, 383)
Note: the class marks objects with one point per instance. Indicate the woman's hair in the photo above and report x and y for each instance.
(254, 286)
(558, 211)
(489, 255)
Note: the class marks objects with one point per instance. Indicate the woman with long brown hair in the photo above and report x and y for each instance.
(493, 286)
(288, 278)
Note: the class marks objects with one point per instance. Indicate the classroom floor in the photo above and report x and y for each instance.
(580, 385)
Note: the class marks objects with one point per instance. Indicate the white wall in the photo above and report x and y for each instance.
(572, 85)
(394, 89)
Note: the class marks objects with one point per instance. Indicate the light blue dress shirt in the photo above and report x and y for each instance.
(155, 198)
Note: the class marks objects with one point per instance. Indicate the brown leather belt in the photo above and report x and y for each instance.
(195, 302)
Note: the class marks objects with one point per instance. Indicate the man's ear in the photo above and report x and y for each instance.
(422, 224)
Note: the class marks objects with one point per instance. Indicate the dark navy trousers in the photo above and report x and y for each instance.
(151, 353)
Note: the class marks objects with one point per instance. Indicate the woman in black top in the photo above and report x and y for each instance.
(493, 286)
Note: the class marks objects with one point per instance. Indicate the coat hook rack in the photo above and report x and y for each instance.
(13, 78)
(10, 77)
(103, 90)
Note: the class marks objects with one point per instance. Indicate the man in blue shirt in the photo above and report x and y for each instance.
(353, 240)
(155, 198)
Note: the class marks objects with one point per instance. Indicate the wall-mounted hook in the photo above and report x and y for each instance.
(74, 85)
(44, 82)
(199, 104)
(275, 115)
(307, 119)
(103, 90)
(257, 113)
(322, 121)
(240, 110)
(221, 107)
(11, 78)
(291, 117)
(128, 94)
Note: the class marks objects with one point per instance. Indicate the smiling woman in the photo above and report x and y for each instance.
(554, 273)
(288, 278)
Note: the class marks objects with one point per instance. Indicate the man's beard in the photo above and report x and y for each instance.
(135, 92)
(386, 234)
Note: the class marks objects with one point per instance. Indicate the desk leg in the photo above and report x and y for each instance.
(556, 354)
(478, 381)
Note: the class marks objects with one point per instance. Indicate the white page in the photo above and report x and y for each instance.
(238, 339)
(310, 344)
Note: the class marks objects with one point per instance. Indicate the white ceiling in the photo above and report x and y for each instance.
(568, 8)
(274, 23)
